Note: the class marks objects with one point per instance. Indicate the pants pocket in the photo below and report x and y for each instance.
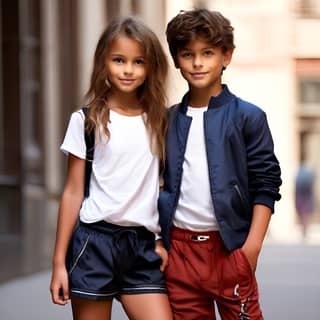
(236, 276)
(228, 274)
(76, 250)
(246, 277)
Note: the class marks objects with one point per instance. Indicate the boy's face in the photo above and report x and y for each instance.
(201, 64)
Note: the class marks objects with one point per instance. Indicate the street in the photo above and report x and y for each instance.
(288, 276)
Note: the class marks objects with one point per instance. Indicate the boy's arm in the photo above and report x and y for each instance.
(263, 166)
(259, 225)
(264, 181)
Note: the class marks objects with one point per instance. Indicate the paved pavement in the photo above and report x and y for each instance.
(288, 277)
(29, 299)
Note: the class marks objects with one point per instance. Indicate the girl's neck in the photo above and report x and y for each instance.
(125, 104)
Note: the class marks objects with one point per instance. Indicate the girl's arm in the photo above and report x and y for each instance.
(70, 204)
(259, 226)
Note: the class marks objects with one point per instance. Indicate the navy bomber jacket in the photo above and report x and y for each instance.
(243, 169)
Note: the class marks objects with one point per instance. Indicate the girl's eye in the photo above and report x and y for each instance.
(118, 60)
(139, 61)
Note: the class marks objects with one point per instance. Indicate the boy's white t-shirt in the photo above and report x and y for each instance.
(124, 185)
(195, 209)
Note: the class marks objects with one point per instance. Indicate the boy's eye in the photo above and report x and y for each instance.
(208, 53)
(186, 54)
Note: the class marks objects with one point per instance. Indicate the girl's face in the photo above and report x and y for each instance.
(126, 65)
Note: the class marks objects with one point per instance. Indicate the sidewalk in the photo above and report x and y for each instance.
(29, 299)
(288, 277)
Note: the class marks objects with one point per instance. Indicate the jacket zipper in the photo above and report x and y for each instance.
(209, 171)
(180, 174)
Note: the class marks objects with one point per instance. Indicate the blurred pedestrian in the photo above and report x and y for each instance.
(304, 195)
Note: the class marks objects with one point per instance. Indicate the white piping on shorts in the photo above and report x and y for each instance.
(143, 288)
(79, 255)
(94, 294)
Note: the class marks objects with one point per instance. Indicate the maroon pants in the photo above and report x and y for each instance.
(202, 273)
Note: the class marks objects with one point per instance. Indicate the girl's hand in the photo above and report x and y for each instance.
(163, 253)
(59, 286)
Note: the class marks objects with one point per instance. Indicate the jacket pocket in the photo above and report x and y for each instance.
(240, 202)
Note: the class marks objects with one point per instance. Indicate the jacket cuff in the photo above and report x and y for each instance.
(266, 200)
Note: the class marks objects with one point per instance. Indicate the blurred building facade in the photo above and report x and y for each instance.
(46, 58)
(276, 65)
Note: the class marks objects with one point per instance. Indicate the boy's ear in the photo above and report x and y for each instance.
(227, 57)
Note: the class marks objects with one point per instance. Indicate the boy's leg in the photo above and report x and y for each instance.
(147, 306)
(85, 309)
(189, 274)
(246, 309)
(238, 297)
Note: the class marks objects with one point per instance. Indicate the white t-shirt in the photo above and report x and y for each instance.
(195, 209)
(124, 185)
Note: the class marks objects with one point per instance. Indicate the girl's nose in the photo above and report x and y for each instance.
(128, 68)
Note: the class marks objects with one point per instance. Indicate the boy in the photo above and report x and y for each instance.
(221, 179)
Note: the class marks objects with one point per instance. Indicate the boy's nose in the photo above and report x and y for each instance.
(197, 61)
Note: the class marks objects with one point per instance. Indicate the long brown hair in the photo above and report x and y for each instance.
(151, 93)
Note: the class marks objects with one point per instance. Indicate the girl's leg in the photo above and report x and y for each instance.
(84, 309)
(147, 306)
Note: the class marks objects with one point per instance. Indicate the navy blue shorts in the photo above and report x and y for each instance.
(106, 260)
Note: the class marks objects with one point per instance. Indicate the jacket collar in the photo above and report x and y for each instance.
(215, 102)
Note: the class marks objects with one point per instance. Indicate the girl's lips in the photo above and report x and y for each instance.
(127, 81)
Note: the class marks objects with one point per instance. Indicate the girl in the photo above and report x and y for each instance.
(115, 250)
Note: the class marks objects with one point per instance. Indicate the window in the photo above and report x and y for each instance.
(308, 9)
(310, 91)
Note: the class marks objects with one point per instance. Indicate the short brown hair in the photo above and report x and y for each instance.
(199, 23)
